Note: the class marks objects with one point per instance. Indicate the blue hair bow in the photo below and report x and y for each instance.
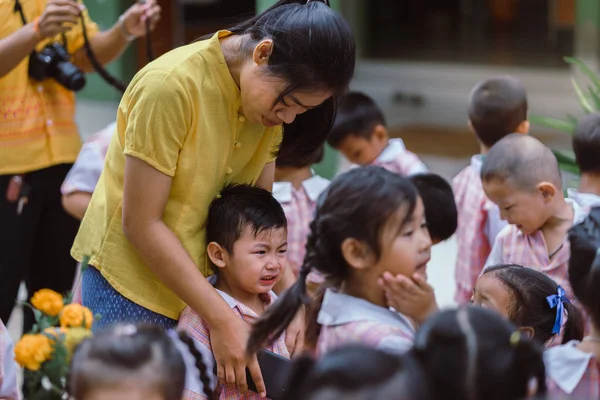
(557, 300)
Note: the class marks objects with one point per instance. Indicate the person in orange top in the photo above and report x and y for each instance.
(39, 140)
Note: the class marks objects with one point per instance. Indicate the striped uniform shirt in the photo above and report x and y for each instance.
(397, 159)
(572, 373)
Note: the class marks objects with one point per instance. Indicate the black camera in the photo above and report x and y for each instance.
(53, 61)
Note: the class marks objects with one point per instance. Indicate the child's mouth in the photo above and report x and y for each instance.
(269, 279)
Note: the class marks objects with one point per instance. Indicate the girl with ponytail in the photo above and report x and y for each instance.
(369, 221)
(574, 368)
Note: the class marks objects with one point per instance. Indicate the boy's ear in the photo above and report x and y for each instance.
(216, 254)
(528, 331)
(357, 254)
(470, 126)
(379, 133)
(523, 127)
(547, 189)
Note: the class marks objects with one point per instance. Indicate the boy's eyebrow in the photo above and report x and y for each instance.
(291, 96)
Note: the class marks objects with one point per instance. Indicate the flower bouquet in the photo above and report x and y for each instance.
(45, 352)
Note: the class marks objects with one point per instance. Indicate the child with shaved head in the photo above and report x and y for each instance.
(522, 177)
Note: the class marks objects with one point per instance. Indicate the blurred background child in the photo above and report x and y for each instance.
(586, 146)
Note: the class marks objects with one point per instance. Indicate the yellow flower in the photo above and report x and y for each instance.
(32, 351)
(75, 336)
(47, 301)
(73, 316)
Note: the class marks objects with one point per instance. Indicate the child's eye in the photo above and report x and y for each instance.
(261, 252)
(283, 251)
(408, 234)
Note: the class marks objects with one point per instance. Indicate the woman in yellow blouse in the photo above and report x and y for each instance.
(199, 117)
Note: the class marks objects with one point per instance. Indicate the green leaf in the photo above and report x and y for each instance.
(572, 119)
(583, 100)
(585, 70)
(558, 124)
(594, 96)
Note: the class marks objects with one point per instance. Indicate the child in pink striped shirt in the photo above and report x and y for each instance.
(521, 176)
(498, 107)
(246, 235)
(297, 189)
(574, 368)
(361, 135)
(369, 222)
(586, 146)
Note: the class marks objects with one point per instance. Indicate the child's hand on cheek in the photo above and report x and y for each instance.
(414, 297)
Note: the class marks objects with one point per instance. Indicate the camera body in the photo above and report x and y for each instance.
(53, 61)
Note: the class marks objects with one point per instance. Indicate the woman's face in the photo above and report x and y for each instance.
(260, 92)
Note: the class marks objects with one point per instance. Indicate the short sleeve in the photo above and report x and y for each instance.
(75, 39)
(395, 344)
(275, 144)
(85, 173)
(493, 224)
(154, 118)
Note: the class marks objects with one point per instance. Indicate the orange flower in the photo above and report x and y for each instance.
(32, 351)
(47, 301)
(74, 337)
(74, 316)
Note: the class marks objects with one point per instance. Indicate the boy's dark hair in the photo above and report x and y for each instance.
(315, 158)
(359, 372)
(238, 207)
(523, 160)
(356, 205)
(357, 115)
(497, 107)
(313, 48)
(584, 264)
(474, 353)
(440, 207)
(124, 351)
(586, 143)
(528, 290)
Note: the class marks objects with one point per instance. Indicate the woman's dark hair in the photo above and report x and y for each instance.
(356, 205)
(359, 373)
(584, 264)
(313, 48)
(144, 352)
(474, 354)
(528, 291)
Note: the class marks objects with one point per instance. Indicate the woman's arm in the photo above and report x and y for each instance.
(267, 176)
(76, 203)
(145, 195)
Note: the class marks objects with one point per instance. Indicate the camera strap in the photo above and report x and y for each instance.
(19, 8)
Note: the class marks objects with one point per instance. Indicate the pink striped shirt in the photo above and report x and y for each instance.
(299, 206)
(397, 159)
(198, 330)
(8, 366)
(572, 372)
(478, 224)
(514, 247)
(349, 320)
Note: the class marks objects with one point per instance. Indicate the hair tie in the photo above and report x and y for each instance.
(126, 330)
(218, 195)
(515, 338)
(326, 2)
(557, 300)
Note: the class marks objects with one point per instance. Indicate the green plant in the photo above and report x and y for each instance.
(589, 99)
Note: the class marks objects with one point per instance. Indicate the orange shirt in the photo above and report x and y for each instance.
(37, 119)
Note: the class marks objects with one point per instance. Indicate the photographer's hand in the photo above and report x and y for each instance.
(134, 19)
(58, 17)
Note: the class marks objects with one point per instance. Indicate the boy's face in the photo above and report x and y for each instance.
(257, 262)
(528, 210)
(361, 151)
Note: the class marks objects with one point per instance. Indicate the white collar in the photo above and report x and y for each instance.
(394, 148)
(477, 162)
(313, 187)
(579, 212)
(584, 199)
(566, 364)
(339, 309)
(231, 302)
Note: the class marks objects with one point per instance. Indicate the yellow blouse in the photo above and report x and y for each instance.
(37, 119)
(182, 115)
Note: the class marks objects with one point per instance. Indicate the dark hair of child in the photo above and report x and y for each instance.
(315, 158)
(586, 143)
(356, 205)
(313, 48)
(139, 353)
(440, 208)
(528, 290)
(238, 207)
(357, 115)
(584, 264)
(497, 107)
(359, 373)
(474, 354)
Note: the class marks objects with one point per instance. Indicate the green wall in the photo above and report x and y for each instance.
(328, 167)
(105, 14)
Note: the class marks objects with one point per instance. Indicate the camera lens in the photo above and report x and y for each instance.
(70, 76)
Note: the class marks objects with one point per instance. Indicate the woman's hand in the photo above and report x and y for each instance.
(412, 297)
(294, 335)
(135, 17)
(229, 348)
